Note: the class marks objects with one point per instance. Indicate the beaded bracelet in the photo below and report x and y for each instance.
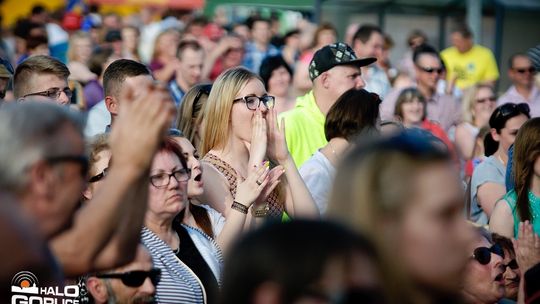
(239, 207)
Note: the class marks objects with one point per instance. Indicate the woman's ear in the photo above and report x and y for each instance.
(496, 136)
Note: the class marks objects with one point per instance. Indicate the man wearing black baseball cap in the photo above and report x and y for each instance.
(333, 70)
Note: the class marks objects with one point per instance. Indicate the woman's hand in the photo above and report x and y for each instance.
(277, 145)
(257, 148)
(249, 189)
(273, 180)
(527, 247)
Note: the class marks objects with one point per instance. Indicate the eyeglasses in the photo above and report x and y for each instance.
(254, 102)
(81, 159)
(162, 180)
(512, 264)
(99, 176)
(483, 254)
(511, 108)
(431, 70)
(205, 89)
(531, 70)
(53, 93)
(482, 100)
(134, 278)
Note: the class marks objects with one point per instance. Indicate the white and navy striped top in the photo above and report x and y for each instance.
(178, 283)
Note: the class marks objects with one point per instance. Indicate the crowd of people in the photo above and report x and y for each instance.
(163, 157)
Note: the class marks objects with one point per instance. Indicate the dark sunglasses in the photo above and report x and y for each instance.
(80, 159)
(431, 70)
(531, 70)
(483, 254)
(134, 278)
(205, 89)
(512, 264)
(99, 176)
(512, 108)
(482, 100)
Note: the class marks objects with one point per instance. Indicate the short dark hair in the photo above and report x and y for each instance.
(38, 9)
(250, 22)
(39, 64)
(513, 57)
(365, 31)
(353, 112)
(98, 59)
(33, 42)
(118, 71)
(424, 49)
(290, 255)
(187, 44)
(269, 65)
(504, 242)
(463, 30)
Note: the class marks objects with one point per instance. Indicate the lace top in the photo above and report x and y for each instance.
(534, 204)
(276, 206)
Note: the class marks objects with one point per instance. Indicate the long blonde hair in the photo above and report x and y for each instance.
(216, 116)
(190, 111)
(79, 35)
(371, 193)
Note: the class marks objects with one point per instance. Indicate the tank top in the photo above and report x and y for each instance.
(273, 201)
(534, 203)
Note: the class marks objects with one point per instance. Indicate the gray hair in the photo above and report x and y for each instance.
(29, 132)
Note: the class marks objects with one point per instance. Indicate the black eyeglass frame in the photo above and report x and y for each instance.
(187, 172)
(260, 99)
(154, 274)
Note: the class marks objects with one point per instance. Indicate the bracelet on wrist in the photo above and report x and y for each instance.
(261, 212)
(239, 207)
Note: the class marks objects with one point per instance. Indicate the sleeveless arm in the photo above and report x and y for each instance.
(502, 221)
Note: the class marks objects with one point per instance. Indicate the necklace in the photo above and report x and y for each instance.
(500, 159)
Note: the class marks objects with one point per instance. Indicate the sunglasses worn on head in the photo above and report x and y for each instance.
(483, 254)
(205, 89)
(511, 108)
(531, 70)
(134, 278)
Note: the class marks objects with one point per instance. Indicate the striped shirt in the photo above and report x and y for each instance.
(178, 283)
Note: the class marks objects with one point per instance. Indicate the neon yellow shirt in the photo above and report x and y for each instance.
(476, 65)
(304, 128)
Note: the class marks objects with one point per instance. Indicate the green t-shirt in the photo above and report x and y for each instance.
(304, 128)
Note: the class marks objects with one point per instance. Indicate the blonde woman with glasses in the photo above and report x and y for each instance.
(239, 134)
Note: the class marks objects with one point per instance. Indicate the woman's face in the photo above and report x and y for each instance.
(511, 276)
(241, 116)
(508, 134)
(195, 183)
(130, 38)
(326, 37)
(279, 82)
(484, 104)
(169, 200)
(413, 112)
(484, 282)
(168, 44)
(83, 49)
(433, 236)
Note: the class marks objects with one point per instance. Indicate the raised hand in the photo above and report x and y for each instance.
(274, 177)
(249, 189)
(257, 148)
(277, 149)
(527, 247)
(141, 125)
